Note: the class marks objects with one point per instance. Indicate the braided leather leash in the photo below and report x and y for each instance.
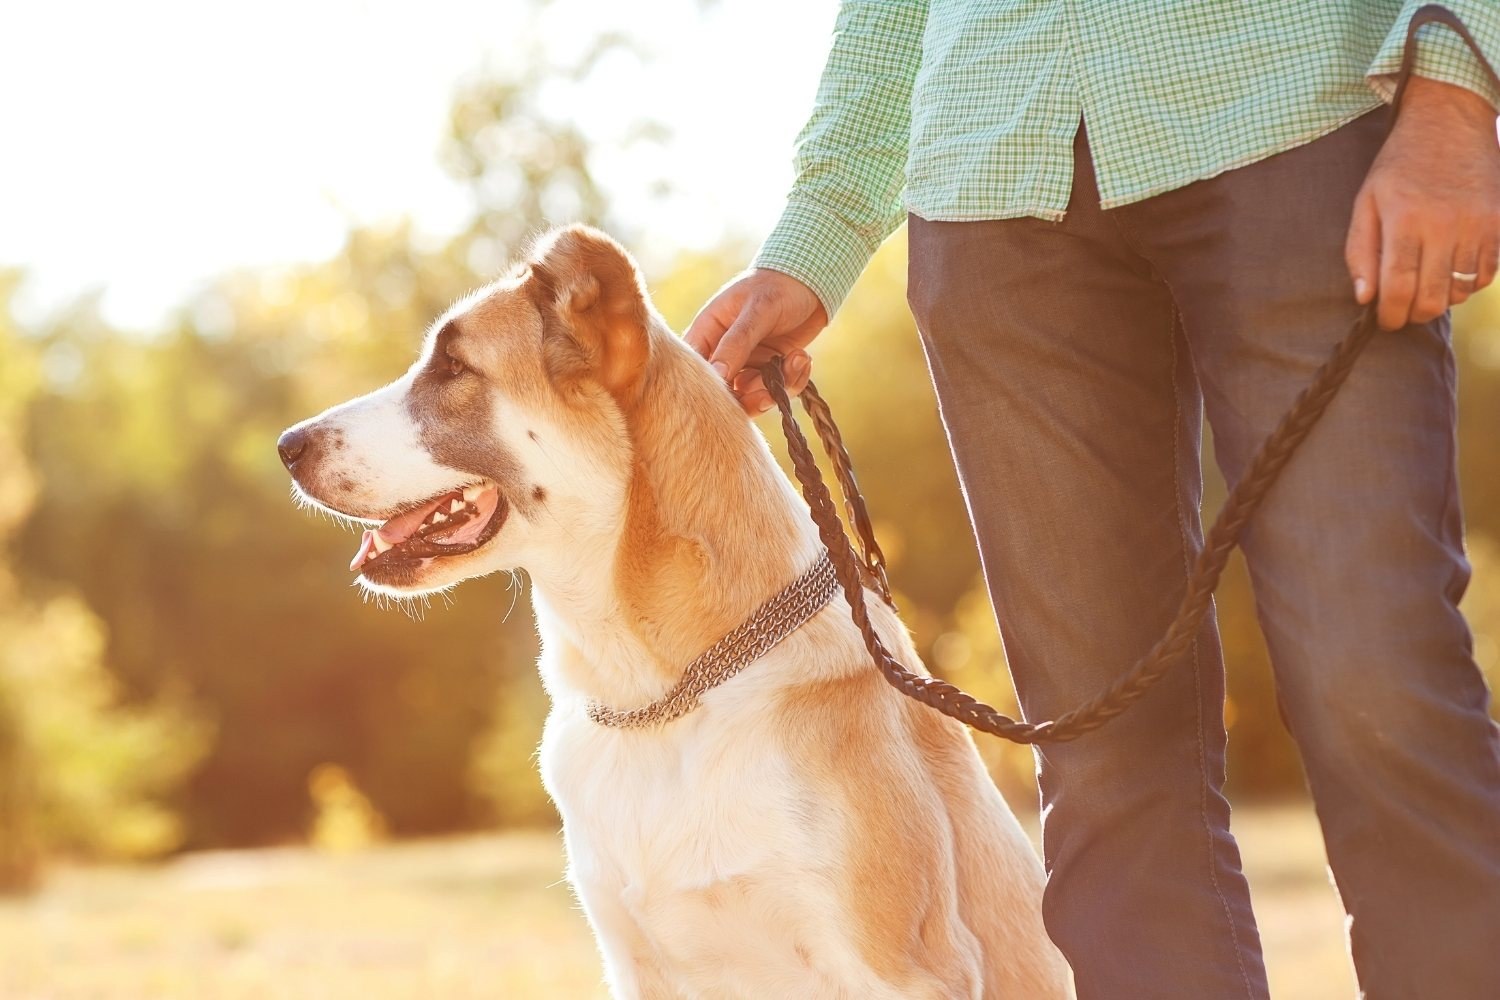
(854, 570)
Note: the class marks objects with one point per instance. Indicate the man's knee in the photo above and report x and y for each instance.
(1369, 708)
(1365, 634)
(1115, 773)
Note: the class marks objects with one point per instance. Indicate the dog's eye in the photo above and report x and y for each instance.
(453, 366)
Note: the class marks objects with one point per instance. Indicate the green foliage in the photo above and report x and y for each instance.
(81, 769)
(502, 772)
(99, 774)
(1477, 344)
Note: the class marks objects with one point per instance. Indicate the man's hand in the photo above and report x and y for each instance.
(1429, 207)
(757, 316)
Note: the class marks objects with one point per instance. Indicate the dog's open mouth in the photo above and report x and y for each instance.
(459, 521)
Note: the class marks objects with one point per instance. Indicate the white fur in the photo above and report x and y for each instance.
(383, 455)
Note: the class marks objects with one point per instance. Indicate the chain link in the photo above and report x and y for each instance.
(772, 622)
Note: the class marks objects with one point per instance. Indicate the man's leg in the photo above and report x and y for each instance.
(1073, 417)
(1356, 558)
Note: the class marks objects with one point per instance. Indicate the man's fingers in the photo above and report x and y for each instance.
(750, 386)
(1434, 279)
(756, 317)
(1489, 258)
(796, 369)
(1465, 261)
(1478, 254)
(1400, 258)
(1362, 248)
(749, 328)
(708, 327)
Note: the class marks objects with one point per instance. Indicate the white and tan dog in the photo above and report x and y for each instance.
(805, 831)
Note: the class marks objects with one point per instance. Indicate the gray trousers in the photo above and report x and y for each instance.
(1073, 362)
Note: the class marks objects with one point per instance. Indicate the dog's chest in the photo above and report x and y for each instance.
(704, 850)
(685, 806)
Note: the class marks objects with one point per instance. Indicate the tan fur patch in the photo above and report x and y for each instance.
(587, 282)
(897, 878)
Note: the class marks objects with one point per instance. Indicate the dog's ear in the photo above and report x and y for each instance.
(593, 307)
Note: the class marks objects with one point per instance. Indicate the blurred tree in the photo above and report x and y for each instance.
(345, 820)
(81, 770)
(523, 162)
(1477, 345)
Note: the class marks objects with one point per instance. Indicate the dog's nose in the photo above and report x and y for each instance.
(291, 446)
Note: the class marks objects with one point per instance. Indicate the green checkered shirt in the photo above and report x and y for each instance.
(967, 109)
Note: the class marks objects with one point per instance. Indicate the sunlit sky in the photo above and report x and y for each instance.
(146, 147)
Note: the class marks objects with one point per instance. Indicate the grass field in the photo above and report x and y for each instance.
(463, 918)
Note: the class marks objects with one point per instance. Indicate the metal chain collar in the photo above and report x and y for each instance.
(770, 623)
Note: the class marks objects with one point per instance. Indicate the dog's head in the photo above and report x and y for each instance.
(506, 430)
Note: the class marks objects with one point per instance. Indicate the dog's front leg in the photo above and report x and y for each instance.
(632, 968)
(637, 977)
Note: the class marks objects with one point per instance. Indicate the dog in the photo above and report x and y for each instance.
(799, 829)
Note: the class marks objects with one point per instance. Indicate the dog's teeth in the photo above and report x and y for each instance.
(381, 545)
(438, 517)
(455, 506)
(472, 492)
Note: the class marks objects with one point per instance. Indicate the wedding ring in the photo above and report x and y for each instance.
(1465, 276)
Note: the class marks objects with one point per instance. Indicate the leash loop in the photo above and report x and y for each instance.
(854, 573)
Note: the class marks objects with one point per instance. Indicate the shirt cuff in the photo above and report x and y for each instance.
(819, 248)
(1441, 55)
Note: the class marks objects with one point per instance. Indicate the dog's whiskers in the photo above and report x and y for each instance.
(306, 502)
(514, 586)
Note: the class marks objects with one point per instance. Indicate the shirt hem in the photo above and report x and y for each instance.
(990, 215)
(1285, 146)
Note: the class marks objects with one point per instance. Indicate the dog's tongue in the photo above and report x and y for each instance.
(366, 547)
(398, 529)
(484, 498)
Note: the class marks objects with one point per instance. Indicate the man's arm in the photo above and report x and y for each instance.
(1441, 54)
(1428, 215)
(851, 155)
(850, 167)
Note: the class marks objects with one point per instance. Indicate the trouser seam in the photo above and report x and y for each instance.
(1183, 535)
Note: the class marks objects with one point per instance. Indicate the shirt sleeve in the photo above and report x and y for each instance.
(851, 155)
(1441, 53)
